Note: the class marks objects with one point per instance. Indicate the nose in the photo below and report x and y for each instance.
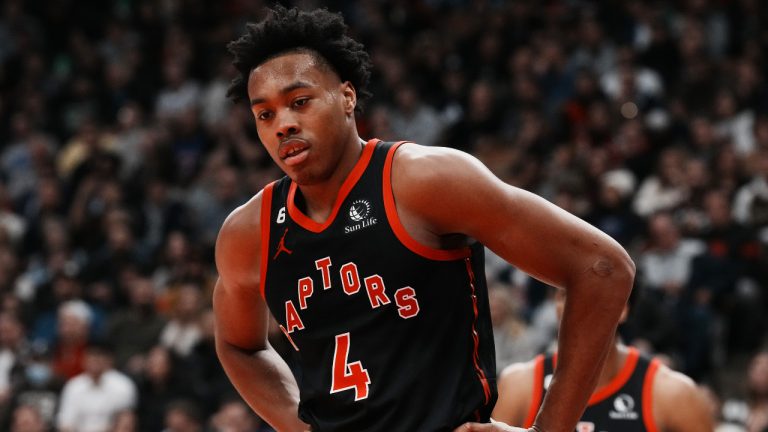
(287, 125)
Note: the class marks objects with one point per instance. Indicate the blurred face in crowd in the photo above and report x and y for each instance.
(176, 420)
(234, 417)
(72, 328)
(96, 362)
(304, 115)
(501, 304)
(125, 421)
(11, 331)
(664, 233)
(671, 166)
(697, 174)
(142, 293)
(158, 366)
(406, 98)
(48, 193)
(718, 208)
(702, 133)
(176, 247)
(207, 324)
(227, 184)
(757, 376)
(189, 302)
(761, 167)
(27, 419)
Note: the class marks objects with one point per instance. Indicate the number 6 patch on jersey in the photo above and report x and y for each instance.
(348, 376)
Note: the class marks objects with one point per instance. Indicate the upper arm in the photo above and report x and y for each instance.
(240, 311)
(452, 192)
(515, 383)
(678, 404)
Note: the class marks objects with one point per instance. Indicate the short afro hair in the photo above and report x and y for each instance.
(289, 30)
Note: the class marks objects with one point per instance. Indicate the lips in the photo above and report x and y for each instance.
(293, 151)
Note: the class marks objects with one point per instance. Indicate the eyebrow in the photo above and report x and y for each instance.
(287, 89)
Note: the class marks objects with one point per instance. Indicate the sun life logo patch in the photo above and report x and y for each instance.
(361, 216)
(359, 210)
(624, 408)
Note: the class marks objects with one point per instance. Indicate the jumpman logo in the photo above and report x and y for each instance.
(281, 246)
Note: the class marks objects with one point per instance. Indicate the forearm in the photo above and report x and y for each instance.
(592, 310)
(265, 382)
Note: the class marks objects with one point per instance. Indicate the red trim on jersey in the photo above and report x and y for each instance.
(288, 335)
(619, 380)
(538, 390)
(357, 171)
(397, 225)
(266, 219)
(648, 419)
(475, 338)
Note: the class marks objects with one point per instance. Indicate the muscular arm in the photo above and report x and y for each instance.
(678, 405)
(440, 192)
(255, 369)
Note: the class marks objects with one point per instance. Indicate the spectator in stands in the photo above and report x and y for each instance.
(27, 419)
(161, 381)
(90, 400)
(235, 416)
(665, 189)
(750, 207)
(513, 340)
(183, 331)
(136, 329)
(182, 416)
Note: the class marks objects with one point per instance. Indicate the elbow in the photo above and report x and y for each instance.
(625, 267)
(624, 274)
(618, 271)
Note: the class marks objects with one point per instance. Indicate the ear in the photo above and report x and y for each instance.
(350, 97)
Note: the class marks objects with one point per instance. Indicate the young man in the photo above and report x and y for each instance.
(634, 394)
(369, 257)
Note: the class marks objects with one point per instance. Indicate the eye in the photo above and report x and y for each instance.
(263, 115)
(300, 101)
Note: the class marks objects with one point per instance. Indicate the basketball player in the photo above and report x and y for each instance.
(369, 256)
(634, 393)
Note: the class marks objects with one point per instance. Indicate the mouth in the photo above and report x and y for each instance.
(293, 151)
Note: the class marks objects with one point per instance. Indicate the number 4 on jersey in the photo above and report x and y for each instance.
(348, 376)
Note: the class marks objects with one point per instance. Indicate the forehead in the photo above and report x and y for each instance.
(279, 72)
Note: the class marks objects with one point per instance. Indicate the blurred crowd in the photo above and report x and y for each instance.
(120, 157)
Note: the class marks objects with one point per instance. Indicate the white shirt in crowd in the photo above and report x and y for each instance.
(88, 406)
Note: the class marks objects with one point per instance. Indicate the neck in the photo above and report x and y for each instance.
(96, 376)
(320, 197)
(613, 363)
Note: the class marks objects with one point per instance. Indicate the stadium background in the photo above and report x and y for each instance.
(120, 158)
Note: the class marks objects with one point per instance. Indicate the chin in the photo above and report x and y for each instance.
(305, 179)
(308, 177)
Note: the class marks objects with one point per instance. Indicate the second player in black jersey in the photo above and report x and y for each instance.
(635, 393)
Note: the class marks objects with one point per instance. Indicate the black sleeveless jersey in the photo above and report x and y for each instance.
(387, 334)
(623, 405)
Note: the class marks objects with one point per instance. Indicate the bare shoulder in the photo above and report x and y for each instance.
(241, 315)
(245, 219)
(518, 371)
(679, 404)
(434, 184)
(671, 385)
(422, 165)
(238, 245)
